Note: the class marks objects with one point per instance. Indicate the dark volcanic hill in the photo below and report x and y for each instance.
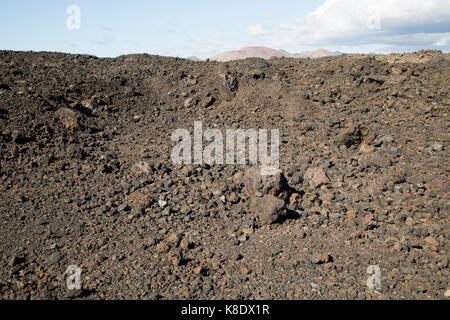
(87, 178)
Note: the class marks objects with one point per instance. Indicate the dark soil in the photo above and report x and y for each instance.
(85, 150)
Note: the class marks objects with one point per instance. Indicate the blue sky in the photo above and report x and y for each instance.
(207, 27)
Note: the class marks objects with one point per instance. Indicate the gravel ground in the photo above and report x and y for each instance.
(87, 178)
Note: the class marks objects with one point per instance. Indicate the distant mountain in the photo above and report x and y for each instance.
(319, 53)
(193, 58)
(250, 52)
(267, 53)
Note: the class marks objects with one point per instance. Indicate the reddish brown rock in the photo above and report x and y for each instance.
(258, 185)
(350, 136)
(316, 177)
(268, 208)
(68, 118)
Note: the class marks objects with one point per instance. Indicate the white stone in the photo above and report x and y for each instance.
(162, 203)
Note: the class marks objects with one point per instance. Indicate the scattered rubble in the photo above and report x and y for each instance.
(87, 179)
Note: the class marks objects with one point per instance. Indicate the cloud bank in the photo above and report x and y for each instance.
(386, 25)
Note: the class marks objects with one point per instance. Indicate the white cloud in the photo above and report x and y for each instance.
(173, 22)
(256, 30)
(351, 26)
(337, 23)
(442, 42)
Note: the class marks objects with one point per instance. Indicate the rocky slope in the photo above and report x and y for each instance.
(87, 179)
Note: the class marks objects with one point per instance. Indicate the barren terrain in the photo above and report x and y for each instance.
(87, 178)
